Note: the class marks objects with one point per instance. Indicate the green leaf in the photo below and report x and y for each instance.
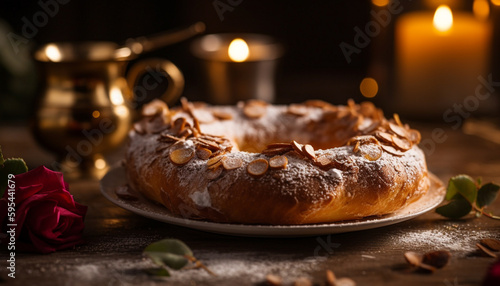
(173, 246)
(456, 208)
(173, 261)
(169, 252)
(1, 156)
(158, 272)
(464, 185)
(487, 194)
(13, 166)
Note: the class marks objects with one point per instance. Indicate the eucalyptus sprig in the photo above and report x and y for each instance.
(465, 194)
(171, 254)
(14, 166)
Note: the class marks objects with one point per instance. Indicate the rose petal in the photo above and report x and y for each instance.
(40, 244)
(47, 217)
(23, 192)
(51, 181)
(24, 210)
(63, 224)
(72, 225)
(71, 237)
(61, 197)
(18, 197)
(43, 218)
(73, 232)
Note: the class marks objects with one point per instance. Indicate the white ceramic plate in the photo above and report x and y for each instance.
(116, 177)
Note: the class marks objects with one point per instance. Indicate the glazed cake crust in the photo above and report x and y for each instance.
(264, 164)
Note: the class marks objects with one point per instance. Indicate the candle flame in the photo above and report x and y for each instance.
(53, 53)
(238, 50)
(443, 18)
(481, 9)
(116, 96)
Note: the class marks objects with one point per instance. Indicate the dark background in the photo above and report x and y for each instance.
(313, 65)
(311, 30)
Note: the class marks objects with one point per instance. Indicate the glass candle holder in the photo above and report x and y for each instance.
(238, 66)
(431, 57)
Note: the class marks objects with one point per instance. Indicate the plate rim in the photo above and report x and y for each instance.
(263, 230)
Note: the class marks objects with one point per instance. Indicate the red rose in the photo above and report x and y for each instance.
(47, 217)
(493, 275)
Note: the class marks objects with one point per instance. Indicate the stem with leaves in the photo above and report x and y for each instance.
(464, 195)
(481, 211)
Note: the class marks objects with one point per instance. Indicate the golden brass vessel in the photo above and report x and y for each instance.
(84, 107)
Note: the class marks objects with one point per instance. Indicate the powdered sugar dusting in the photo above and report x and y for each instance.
(201, 199)
(246, 266)
(450, 238)
(249, 267)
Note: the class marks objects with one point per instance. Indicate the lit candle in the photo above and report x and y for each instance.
(238, 67)
(238, 50)
(438, 59)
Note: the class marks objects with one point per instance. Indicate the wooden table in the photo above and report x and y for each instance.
(116, 237)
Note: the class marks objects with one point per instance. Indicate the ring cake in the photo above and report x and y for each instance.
(258, 163)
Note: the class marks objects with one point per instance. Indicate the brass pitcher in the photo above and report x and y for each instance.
(85, 107)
